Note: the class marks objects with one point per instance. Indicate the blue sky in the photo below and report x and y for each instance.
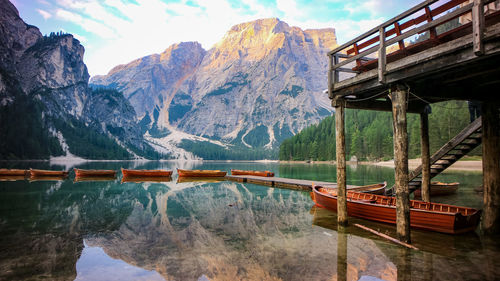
(117, 31)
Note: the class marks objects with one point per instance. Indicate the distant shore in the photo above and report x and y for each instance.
(467, 165)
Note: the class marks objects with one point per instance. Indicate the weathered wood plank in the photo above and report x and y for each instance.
(341, 162)
(399, 99)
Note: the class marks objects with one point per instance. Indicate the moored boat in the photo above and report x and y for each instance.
(94, 178)
(439, 188)
(146, 173)
(146, 179)
(47, 173)
(200, 179)
(251, 173)
(201, 173)
(378, 188)
(423, 215)
(13, 172)
(94, 173)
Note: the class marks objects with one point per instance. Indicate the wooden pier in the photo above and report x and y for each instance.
(404, 76)
(296, 184)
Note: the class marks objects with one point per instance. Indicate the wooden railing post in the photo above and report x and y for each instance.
(330, 76)
(399, 101)
(381, 56)
(424, 146)
(339, 105)
(336, 72)
(478, 27)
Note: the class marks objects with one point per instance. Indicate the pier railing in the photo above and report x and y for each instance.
(414, 21)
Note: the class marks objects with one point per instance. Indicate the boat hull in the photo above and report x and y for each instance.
(47, 173)
(146, 173)
(251, 173)
(12, 172)
(201, 173)
(439, 189)
(423, 215)
(94, 173)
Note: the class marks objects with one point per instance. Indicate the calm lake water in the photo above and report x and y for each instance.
(108, 230)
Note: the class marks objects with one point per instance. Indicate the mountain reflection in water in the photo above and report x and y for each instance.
(172, 230)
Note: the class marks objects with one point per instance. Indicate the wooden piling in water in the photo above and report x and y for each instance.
(491, 167)
(339, 105)
(399, 97)
(426, 158)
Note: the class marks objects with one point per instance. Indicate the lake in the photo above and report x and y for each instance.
(109, 230)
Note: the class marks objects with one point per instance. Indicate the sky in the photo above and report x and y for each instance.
(116, 32)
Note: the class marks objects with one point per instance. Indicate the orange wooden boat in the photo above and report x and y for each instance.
(47, 173)
(146, 173)
(13, 172)
(146, 179)
(200, 179)
(94, 173)
(201, 173)
(251, 173)
(439, 188)
(423, 215)
(12, 178)
(94, 178)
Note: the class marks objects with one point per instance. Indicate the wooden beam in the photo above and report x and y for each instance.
(491, 168)
(424, 146)
(399, 97)
(339, 105)
(478, 27)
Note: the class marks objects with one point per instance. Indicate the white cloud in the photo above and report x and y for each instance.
(46, 15)
(127, 31)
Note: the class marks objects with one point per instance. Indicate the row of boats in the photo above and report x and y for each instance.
(130, 173)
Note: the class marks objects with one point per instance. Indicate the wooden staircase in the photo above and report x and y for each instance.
(464, 142)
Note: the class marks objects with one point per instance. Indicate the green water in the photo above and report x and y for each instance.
(109, 230)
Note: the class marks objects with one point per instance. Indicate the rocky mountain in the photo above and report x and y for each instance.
(260, 84)
(46, 106)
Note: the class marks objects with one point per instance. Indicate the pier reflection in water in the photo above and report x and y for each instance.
(218, 230)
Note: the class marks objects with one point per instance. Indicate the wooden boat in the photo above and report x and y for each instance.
(48, 178)
(13, 172)
(439, 188)
(47, 173)
(12, 178)
(200, 179)
(378, 188)
(201, 173)
(95, 178)
(251, 173)
(94, 173)
(146, 173)
(146, 179)
(423, 215)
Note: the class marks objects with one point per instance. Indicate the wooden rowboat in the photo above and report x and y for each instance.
(251, 173)
(94, 173)
(200, 179)
(94, 178)
(47, 173)
(12, 178)
(13, 172)
(439, 188)
(146, 173)
(201, 173)
(423, 215)
(146, 179)
(378, 188)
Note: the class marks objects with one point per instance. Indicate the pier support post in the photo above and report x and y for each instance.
(491, 167)
(339, 105)
(426, 158)
(399, 97)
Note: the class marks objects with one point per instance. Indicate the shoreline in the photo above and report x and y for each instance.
(463, 165)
